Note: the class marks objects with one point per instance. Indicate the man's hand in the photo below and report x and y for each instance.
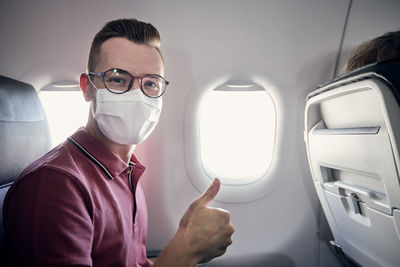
(206, 231)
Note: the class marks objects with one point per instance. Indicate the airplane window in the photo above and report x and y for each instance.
(237, 132)
(66, 111)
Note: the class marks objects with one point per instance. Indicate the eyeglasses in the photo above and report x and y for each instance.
(120, 81)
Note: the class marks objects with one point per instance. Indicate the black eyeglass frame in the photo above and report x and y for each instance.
(103, 74)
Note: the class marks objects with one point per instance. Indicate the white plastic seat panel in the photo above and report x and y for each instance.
(350, 136)
(370, 227)
(359, 160)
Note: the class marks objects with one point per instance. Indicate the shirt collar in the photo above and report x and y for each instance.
(111, 164)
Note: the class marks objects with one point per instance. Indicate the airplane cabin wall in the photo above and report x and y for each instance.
(291, 44)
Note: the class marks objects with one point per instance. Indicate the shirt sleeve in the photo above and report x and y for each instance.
(48, 220)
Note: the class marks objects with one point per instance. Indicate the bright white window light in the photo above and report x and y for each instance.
(66, 111)
(237, 132)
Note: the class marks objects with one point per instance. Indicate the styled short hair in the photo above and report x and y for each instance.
(379, 49)
(132, 29)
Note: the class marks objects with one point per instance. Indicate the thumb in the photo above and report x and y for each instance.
(210, 193)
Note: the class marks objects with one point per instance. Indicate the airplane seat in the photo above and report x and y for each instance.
(352, 135)
(24, 134)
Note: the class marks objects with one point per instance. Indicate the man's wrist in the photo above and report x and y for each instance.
(177, 253)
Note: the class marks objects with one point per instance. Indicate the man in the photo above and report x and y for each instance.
(81, 203)
(378, 49)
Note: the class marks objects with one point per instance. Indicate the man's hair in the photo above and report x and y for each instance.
(381, 48)
(132, 29)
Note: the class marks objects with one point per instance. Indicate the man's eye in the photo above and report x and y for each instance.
(117, 80)
(150, 84)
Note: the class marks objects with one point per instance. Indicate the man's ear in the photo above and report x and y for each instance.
(85, 87)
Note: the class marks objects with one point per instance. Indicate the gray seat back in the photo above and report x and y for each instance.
(24, 133)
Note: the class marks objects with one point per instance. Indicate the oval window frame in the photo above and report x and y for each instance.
(229, 193)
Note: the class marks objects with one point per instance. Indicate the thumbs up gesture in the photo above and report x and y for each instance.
(206, 231)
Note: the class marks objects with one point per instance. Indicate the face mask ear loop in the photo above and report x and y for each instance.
(90, 80)
(93, 107)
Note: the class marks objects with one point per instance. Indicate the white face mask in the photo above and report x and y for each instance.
(127, 118)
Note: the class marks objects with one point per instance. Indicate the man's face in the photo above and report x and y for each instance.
(137, 59)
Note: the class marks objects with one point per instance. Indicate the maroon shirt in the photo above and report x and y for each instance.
(76, 206)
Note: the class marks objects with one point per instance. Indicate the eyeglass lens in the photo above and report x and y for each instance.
(153, 85)
(117, 81)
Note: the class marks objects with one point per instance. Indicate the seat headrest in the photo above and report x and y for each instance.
(387, 71)
(19, 102)
(23, 128)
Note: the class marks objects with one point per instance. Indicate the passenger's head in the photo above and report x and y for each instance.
(131, 29)
(124, 82)
(379, 49)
